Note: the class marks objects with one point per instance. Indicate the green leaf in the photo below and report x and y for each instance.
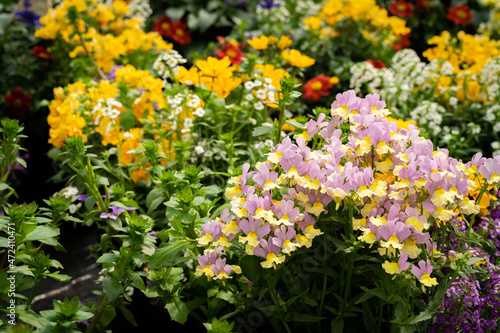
(165, 255)
(90, 202)
(136, 279)
(206, 19)
(210, 190)
(112, 288)
(42, 234)
(262, 130)
(175, 13)
(107, 258)
(128, 315)
(338, 325)
(250, 267)
(108, 315)
(424, 315)
(59, 277)
(102, 181)
(127, 120)
(153, 195)
(177, 309)
(305, 318)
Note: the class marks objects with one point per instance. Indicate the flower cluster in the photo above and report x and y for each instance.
(396, 180)
(115, 38)
(377, 26)
(462, 80)
(118, 111)
(178, 30)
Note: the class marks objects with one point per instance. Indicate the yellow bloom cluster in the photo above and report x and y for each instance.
(214, 74)
(467, 55)
(118, 112)
(108, 33)
(375, 20)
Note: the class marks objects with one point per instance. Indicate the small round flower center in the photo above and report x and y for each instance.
(461, 14)
(316, 86)
(401, 7)
(231, 53)
(179, 32)
(165, 26)
(44, 55)
(17, 103)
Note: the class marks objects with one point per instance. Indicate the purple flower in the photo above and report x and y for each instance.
(115, 211)
(28, 17)
(268, 4)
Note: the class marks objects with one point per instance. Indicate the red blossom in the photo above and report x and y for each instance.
(180, 32)
(317, 87)
(377, 63)
(401, 8)
(460, 14)
(164, 26)
(424, 5)
(404, 42)
(17, 102)
(232, 50)
(42, 53)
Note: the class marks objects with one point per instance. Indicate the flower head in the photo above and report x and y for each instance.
(460, 14)
(18, 102)
(401, 8)
(297, 59)
(317, 87)
(115, 211)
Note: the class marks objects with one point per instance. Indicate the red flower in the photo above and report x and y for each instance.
(163, 26)
(17, 102)
(424, 5)
(317, 87)
(404, 42)
(180, 32)
(377, 63)
(42, 53)
(401, 8)
(460, 14)
(232, 50)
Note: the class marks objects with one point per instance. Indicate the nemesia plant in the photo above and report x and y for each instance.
(381, 194)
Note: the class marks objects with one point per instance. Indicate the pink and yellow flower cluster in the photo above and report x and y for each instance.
(394, 178)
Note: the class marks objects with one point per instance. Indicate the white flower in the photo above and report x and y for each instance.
(495, 145)
(249, 85)
(193, 103)
(127, 134)
(73, 208)
(261, 94)
(248, 97)
(199, 112)
(259, 106)
(453, 101)
(199, 150)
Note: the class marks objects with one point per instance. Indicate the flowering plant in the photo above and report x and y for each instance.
(352, 182)
(453, 97)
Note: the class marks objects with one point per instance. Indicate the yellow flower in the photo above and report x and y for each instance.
(314, 22)
(188, 77)
(297, 59)
(284, 42)
(213, 67)
(259, 43)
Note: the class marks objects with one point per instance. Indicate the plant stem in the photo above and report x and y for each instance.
(97, 317)
(33, 292)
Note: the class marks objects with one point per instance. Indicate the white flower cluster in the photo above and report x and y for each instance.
(140, 10)
(257, 92)
(429, 115)
(394, 84)
(167, 63)
(109, 108)
(71, 192)
(190, 103)
(490, 78)
(276, 14)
